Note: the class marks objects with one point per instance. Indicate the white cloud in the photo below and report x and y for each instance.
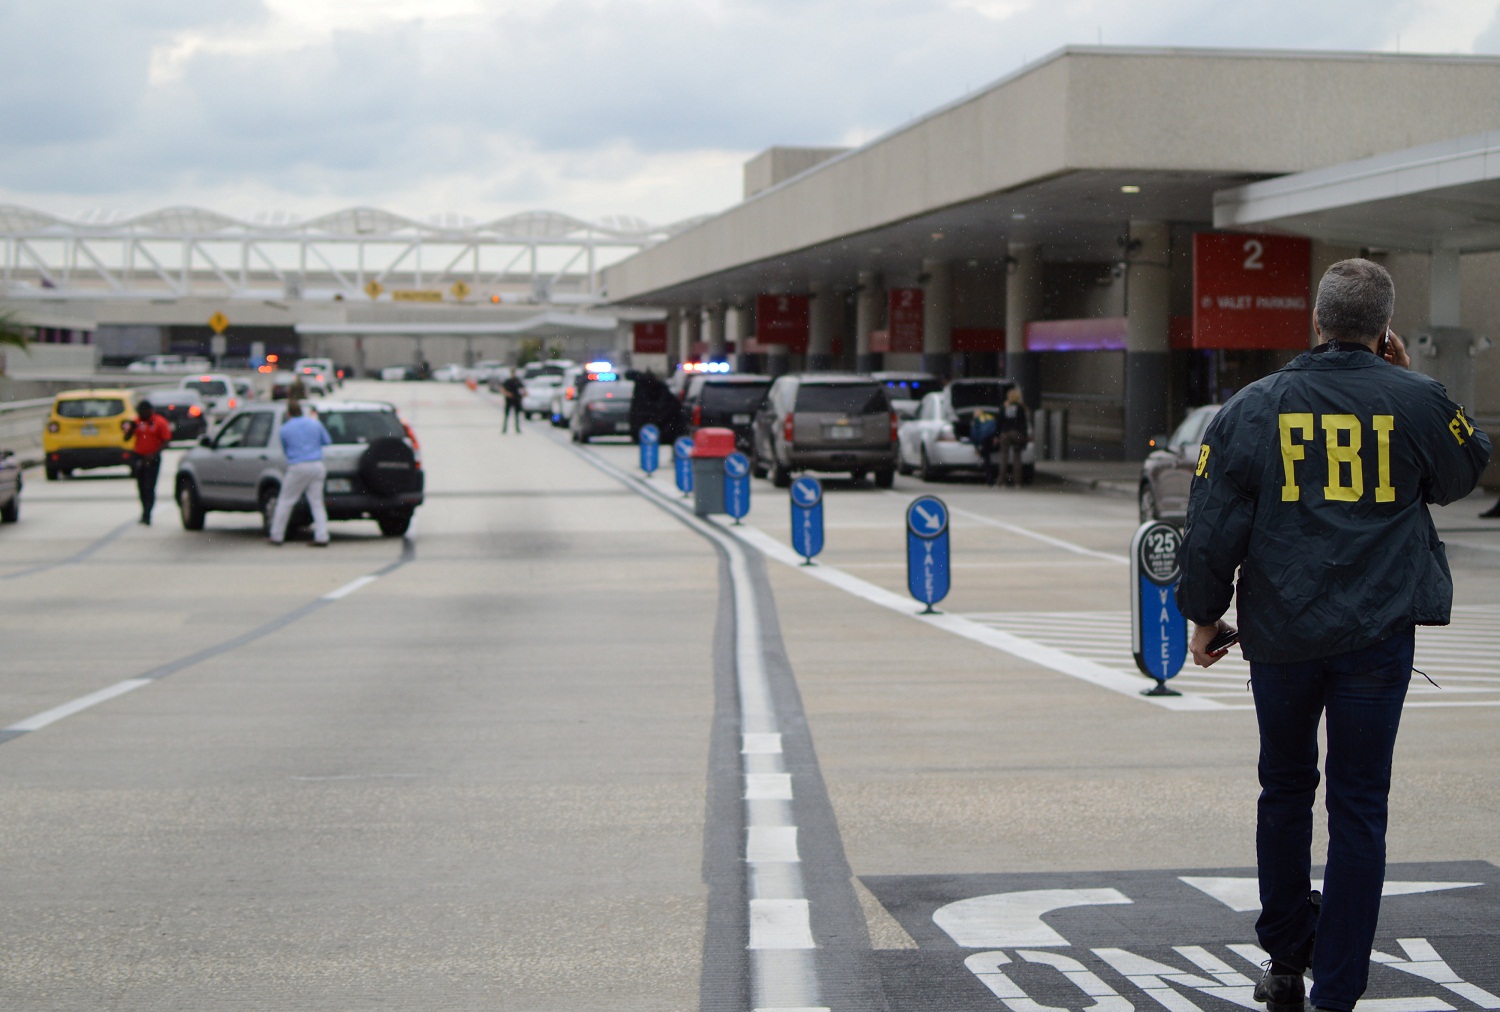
(641, 107)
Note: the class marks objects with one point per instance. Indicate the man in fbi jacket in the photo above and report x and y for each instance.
(1314, 484)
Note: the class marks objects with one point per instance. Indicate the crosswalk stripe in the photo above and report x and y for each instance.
(1463, 657)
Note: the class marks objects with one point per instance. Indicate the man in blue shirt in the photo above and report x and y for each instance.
(302, 440)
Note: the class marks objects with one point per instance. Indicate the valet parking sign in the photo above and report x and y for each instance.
(1158, 632)
(927, 551)
(1251, 291)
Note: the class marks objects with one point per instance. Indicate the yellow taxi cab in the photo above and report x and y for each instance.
(88, 428)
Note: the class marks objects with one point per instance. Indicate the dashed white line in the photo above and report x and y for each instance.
(78, 705)
(349, 588)
(780, 924)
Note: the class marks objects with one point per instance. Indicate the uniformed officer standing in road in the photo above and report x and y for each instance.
(1314, 483)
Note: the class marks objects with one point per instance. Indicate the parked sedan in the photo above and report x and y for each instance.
(603, 409)
(374, 467)
(536, 398)
(183, 410)
(1167, 472)
(936, 442)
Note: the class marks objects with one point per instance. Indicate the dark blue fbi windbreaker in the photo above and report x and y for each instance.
(1314, 483)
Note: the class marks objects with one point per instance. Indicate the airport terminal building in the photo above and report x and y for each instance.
(1126, 232)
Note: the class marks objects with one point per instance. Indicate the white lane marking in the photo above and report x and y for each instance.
(768, 787)
(781, 924)
(784, 975)
(760, 744)
(1047, 539)
(349, 588)
(772, 844)
(57, 713)
(1036, 653)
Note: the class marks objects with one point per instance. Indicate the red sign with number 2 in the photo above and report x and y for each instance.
(1251, 291)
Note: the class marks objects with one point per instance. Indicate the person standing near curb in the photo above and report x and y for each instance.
(1014, 433)
(1313, 486)
(302, 440)
(152, 434)
(514, 390)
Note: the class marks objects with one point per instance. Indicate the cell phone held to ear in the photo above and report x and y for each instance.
(1226, 639)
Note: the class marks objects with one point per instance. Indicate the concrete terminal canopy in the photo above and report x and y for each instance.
(1069, 190)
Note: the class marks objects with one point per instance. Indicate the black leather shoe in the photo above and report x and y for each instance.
(1491, 513)
(1281, 992)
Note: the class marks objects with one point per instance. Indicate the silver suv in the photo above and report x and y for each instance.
(374, 466)
(826, 422)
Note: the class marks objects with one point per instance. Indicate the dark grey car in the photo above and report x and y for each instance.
(1167, 472)
(826, 422)
(603, 409)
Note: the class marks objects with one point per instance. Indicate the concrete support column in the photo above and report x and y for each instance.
(1024, 293)
(713, 332)
(1148, 297)
(937, 318)
(867, 310)
(824, 316)
(1446, 351)
(1445, 290)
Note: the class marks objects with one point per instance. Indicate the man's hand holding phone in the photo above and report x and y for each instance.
(1393, 350)
(1211, 642)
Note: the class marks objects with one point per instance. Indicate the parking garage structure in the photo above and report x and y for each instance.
(1059, 226)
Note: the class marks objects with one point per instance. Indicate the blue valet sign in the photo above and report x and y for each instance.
(736, 485)
(807, 517)
(650, 449)
(927, 551)
(682, 459)
(1158, 632)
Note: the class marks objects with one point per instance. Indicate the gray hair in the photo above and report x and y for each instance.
(1355, 301)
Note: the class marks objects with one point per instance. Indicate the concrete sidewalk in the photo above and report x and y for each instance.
(1112, 477)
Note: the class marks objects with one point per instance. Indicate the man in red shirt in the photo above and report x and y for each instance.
(151, 434)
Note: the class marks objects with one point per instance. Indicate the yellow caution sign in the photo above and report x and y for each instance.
(416, 295)
(219, 322)
(373, 288)
(460, 290)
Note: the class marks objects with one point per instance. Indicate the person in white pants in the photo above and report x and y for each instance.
(302, 439)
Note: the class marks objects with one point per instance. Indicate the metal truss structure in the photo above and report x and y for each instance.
(360, 252)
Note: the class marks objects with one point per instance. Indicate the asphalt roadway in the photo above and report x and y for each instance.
(504, 762)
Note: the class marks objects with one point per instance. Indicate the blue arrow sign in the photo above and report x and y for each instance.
(736, 485)
(927, 563)
(807, 517)
(1158, 631)
(650, 449)
(682, 458)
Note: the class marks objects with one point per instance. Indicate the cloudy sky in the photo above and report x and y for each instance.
(645, 108)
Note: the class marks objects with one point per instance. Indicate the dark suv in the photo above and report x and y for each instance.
(373, 466)
(826, 422)
(728, 402)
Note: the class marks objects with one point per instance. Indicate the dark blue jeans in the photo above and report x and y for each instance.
(1361, 693)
